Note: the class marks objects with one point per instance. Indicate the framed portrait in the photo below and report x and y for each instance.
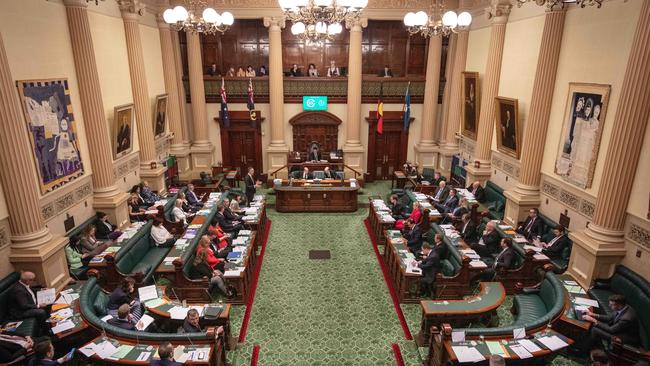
(508, 128)
(52, 131)
(160, 116)
(123, 130)
(584, 116)
(471, 103)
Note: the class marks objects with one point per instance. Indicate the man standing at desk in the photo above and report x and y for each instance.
(251, 185)
(306, 174)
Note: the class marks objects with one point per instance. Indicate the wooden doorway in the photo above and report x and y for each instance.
(319, 126)
(241, 142)
(386, 152)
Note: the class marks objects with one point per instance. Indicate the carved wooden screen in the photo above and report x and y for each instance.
(319, 126)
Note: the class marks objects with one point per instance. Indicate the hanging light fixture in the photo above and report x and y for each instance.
(198, 17)
(435, 25)
(552, 4)
(316, 21)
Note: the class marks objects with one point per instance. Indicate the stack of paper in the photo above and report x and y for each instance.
(235, 272)
(178, 312)
(521, 351)
(586, 302)
(477, 264)
(245, 232)
(249, 218)
(520, 239)
(104, 349)
(529, 345)
(144, 322)
(533, 248)
(62, 326)
(46, 296)
(467, 354)
(553, 343)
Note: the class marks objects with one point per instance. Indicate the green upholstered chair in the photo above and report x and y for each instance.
(494, 200)
(28, 327)
(319, 174)
(140, 255)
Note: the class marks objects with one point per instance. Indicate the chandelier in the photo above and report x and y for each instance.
(551, 4)
(315, 21)
(434, 25)
(188, 20)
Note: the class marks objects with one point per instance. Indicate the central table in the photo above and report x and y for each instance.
(326, 196)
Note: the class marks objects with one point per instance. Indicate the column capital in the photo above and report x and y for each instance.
(162, 24)
(498, 11)
(274, 23)
(131, 9)
(554, 10)
(355, 25)
(75, 3)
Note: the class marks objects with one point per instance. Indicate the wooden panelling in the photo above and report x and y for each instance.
(294, 51)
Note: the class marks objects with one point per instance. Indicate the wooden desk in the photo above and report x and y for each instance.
(378, 225)
(460, 313)
(400, 178)
(325, 197)
(315, 165)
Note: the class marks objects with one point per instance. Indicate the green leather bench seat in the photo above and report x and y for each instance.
(79, 229)
(93, 301)
(140, 255)
(548, 305)
(636, 290)
(28, 326)
(494, 200)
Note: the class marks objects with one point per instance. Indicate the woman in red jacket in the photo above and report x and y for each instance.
(415, 216)
(220, 239)
(206, 264)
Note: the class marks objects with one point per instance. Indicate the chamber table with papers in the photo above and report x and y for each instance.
(324, 196)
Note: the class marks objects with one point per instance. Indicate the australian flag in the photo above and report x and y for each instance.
(251, 102)
(225, 115)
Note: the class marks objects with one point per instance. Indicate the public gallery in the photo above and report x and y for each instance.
(325, 182)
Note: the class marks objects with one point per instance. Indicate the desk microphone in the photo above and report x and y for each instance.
(178, 299)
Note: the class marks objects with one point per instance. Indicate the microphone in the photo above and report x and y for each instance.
(178, 299)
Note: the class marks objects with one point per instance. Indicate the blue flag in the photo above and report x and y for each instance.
(225, 115)
(407, 107)
(251, 103)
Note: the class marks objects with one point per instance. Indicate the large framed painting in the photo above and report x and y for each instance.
(508, 127)
(583, 126)
(471, 103)
(160, 116)
(52, 131)
(123, 130)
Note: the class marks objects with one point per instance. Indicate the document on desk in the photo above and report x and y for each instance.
(201, 354)
(178, 312)
(46, 296)
(533, 248)
(521, 351)
(467, 354)
(144, 356)
(144, 322)
(62, 326)
(540, 257)
(122, 351)
(553, 343)
(458, 336)
(88, 350)
(105, 349)
(585, 301)
(529, 345)
(477, 264)
(154, 303)
(147, 293)
(495, 348)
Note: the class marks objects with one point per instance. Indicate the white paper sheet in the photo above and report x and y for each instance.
(144, 356)
(529, 345)
(46, 296)
(147, 293)
(178, 312)
(458, 336)
(62, 326)
(521, 351)
(586, 302)
(105, 349)
(88, 350)
(519, 333)
(467, 354)
(553, 343)
(144, 322)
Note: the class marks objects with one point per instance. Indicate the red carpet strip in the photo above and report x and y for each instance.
(399, 361)
(389, 283)
(256, 355)
(251, 297)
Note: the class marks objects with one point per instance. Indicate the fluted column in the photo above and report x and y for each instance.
(353, 149)
(107, 196)
(499, 11)
(426, 150)
(201, 147)
(181, 151)
(601, 245)
(277, 149)
(449, 72)
(452, 122)
(526, 193)
(169, 71)
(149, 169)
(32, 245)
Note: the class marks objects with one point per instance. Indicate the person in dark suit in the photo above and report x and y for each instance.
(227, 212)
(124, 318)
(295, 70)
(449, 204)
(437, 178)
(430, 266)
(440, 247)
(488, 244)
(314, 154)
(166, 354)
(441, 193)
(504, 261)
(386, 72)
(251, 185)
(191, 323)
(533, 226)
(22, 302)
(125, 294)
(212, 70)
(330, 174)
(458, 212)
(105, 230)
(228, 226)
(622, 323)
(397, 209)
(44, 354)
(478, 191)
(124, 133)
(468, 229)
(13, 347)
(508, 138)
(413, 236)
(555, 247)
(306, 174)
(192, 198)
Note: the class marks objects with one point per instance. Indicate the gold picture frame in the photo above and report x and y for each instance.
(508, 126)
(471, 104)
(123, 120)
(160, 116)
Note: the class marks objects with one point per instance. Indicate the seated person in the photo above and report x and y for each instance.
(449, 204)
(458, 212)
(295, 70)
(386, 72)
(44, 355)
(147, 194)
(185, 206)
(333, 70)
(75, 255)
(12, 347)
(89, 243)
(136, 212)
(476, 189)
(250, 71)
(430, 266)
(206, 264)
(312, 71)
(397, 209)
(220, 240)
(306, 174)
(314, 154)
(235, 204)
(125, 294)
(227, 212)
(227, 225)
(441, 193)
(178, 215)
(413, 236)
(622, 323)
(440, 247)
(504, 261)
(192, 198)
(262, 71)
(137, 193)
(533, 227)
(161, 237)
(23, 304)
(425, 222)
(191, 323)
(488, 244)
(166, 354)
(240, 72)
(411, 171)
(105, 230)
(127, 321)
(437, 178)
(330, 174)
(415, 215)
(468, 229)
(555, 247)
